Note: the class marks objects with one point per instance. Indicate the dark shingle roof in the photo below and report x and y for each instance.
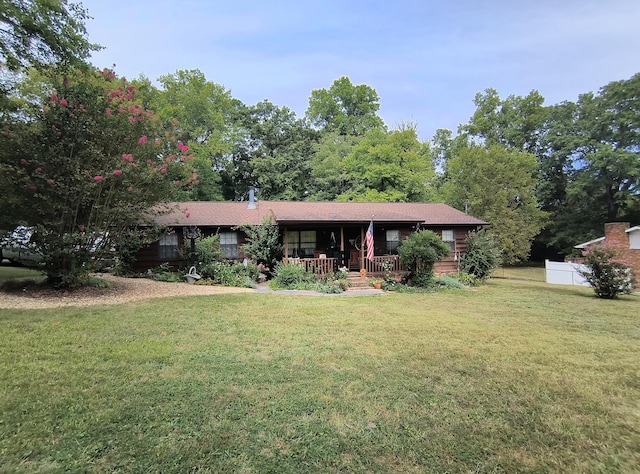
(211, 213)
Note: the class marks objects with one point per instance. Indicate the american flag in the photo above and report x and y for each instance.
(370, 241)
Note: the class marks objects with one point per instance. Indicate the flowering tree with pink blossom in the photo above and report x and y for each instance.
(607, 272)
(85, 170)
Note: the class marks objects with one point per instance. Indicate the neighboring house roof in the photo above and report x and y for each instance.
(601, 239)
(586, 244)
(212, 213)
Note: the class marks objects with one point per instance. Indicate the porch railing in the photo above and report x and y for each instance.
(320, 266)
(382, 264)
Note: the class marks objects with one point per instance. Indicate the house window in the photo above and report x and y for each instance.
(393, 241)
(169, 247)
(229, 244)
(302, 243)
(634, 240)
(449, 238)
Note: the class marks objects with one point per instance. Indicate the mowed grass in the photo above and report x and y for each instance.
(529, 271)
(14, 272)
(516, 376)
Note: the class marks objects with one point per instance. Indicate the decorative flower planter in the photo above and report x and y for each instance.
(192, 276)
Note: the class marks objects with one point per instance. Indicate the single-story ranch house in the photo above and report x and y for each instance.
(322, 235)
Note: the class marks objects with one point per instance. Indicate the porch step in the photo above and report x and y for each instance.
(357, 283)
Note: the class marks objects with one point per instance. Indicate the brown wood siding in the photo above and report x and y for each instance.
(149, 256)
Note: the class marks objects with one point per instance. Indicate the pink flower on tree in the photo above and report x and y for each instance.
(38, 170)
(97, 178)
(182, 147)
(108, 112)
(63, 102)
(54, 97)
(23, 161)
(143, 140)
(130, 188)
(117, 172)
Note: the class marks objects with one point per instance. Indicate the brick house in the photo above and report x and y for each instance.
(627, 238)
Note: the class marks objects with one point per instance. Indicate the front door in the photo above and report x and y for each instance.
(353, 245)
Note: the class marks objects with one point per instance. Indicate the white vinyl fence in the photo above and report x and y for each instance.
(564, 273)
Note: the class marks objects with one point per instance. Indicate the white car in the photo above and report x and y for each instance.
(18, 247)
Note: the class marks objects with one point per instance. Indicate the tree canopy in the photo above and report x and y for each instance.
(498, 185)
(345, 108)
(38, 33)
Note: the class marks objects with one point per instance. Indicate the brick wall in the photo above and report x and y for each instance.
(614, 233)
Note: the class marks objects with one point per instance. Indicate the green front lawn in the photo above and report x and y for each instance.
(9, 272)
(516, 376)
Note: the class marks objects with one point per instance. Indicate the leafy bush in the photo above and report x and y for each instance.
(419, 252)
(208, 250)
(608, 274)
(482, 255)
(229, 274)
(295, 277)
(448, 283)
(291, 276)
(468, 279)
(263, 243)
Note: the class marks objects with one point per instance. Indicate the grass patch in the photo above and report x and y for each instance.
(18, 279)
(515, 376)
(11, 273)
(533, 271)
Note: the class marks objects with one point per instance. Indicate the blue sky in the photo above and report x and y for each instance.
(426, 59)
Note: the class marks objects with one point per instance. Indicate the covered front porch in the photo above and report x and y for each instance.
(379, 267)
(325, 249)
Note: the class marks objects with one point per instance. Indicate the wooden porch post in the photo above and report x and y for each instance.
(362, 264)
(286, 244)
(341, 239)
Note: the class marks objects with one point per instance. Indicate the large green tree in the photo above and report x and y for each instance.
(514, 122)
(329, 178)
(86, 169)
(273, 153)
(590, 165)
(393, 167)
(205, 115)
(498, 185)
(42, 32)
(345, 108)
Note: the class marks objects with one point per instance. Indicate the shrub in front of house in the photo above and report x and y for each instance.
(295, 277)
(481, 257)
(208, 250)
(419, 252)
(229, 274)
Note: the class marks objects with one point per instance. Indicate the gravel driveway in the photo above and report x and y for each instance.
(124, 290)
